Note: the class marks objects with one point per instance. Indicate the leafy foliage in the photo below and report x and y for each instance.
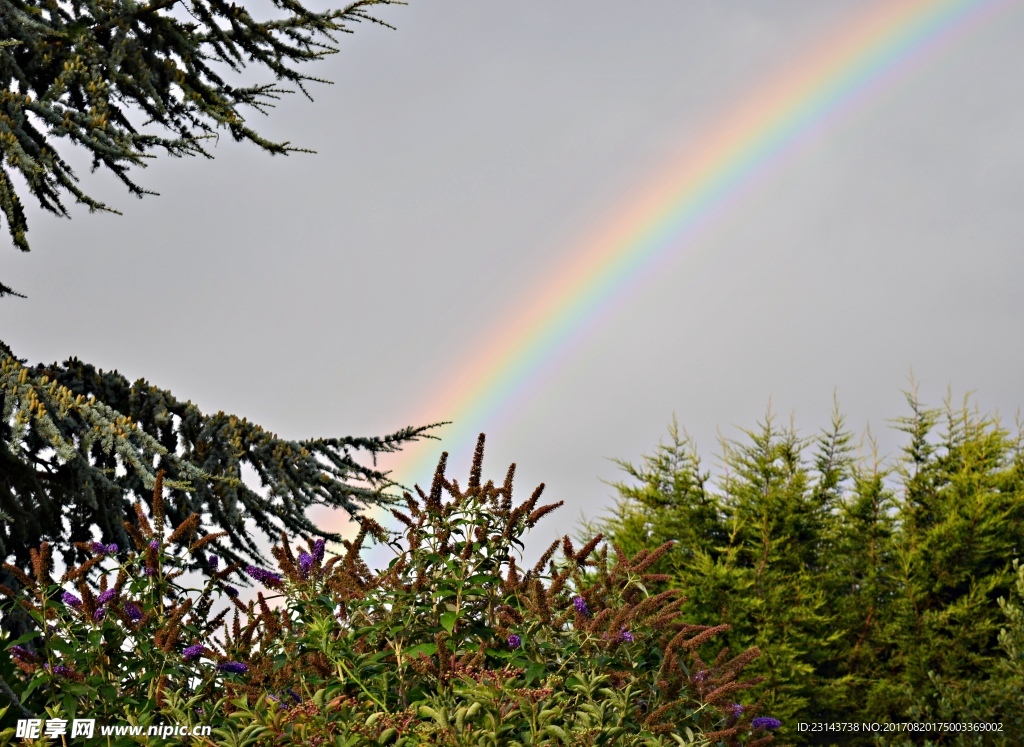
(452, 644)
(872, 591)
(122, 79)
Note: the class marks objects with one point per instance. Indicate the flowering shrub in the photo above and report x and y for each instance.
(452, 644)
(110, 653)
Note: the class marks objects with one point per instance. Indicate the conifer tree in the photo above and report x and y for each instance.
(745, 556)
(961, 523)
(778, 524)
(872, 590)
(859, 585)
(79, 446)
(669, 499)
(122, 79)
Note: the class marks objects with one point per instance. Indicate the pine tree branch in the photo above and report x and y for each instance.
(135, 15)
(76, 72)
(8, 291)
(6, 690)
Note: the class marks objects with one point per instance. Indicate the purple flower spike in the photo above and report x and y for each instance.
(514, 641)
(150, 571)
(71, 600)
(318, 550)
(99, 614)
(627, 636)
(60, 669)
(133, 611)
(106, 596)
(581, 606)
(262, 575)
(235, 667)
(735, 710)
(305, 563)
(154, 544)
(231, 591)
(97, 547)
(111, 549)
(192, 652)
(765, 722)
(21, 653)
(214, 560)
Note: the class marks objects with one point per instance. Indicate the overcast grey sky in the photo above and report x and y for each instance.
(463, 155)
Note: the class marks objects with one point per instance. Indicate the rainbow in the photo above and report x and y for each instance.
(739, 152)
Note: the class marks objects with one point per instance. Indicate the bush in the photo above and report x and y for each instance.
(452, 644)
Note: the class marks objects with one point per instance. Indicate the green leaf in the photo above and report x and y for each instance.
(430, 713)
(36, 683)
(483, 578)
(421, 648)
(69, 699)
(534, 671)
(21, 639)
(557, 731)
(448, 621)
(59, 644)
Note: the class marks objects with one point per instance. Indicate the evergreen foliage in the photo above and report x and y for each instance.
(872, 591)
(78, 445)
(453, 644)
(1001, 693)
(121, 79)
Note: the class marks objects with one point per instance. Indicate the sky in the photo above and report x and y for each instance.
(465, 157)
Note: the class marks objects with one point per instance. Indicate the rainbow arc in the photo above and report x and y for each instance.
(738, 153)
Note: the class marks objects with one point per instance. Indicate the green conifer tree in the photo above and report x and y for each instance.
(79, 447)
(873, 591)
(859, 585)
(746, 555)
(123, 79)
(961, 522)
(778, 523)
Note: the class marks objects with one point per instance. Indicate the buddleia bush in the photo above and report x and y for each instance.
(453, 643)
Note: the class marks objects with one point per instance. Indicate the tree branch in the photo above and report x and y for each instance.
(151, 8)
(6, 690)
